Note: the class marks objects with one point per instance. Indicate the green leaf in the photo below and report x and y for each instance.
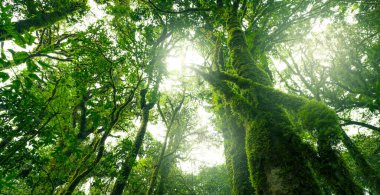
(4, 76)
(31, 66)
(34, 77)
(44, 64)
(29, 39)
(3, 54)
(19, 57)
(16, 84)
(28, 83)
(19, 40)
(3, 63)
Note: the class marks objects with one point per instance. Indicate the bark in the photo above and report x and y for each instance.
(274, 152)
(41, 20)
(126, 168)
(236, 158)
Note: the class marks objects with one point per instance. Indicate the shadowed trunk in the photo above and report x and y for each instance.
(369, 174)
(126, 168)
(333, 169)
(236, 158)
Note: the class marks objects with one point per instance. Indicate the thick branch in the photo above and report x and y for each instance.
(40, 21)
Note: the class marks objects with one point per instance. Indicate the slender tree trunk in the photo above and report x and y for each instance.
(369, 174)
(164, 174)
(169, 125)
(157, 168)
(126, 168)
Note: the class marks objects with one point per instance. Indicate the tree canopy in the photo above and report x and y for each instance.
(114, 96)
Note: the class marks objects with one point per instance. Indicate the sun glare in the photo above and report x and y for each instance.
(178, 64)
(203, 153)
(185, 57)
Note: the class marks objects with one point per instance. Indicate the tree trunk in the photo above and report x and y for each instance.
(333, 169)
(126, 168)
(369, 174)
(236, 158)
(157, 168)
(274, 152)
(164, 174)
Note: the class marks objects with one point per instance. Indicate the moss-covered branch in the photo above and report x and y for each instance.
(290, 102)
(42, 20)
(246, 108)
(240, 56)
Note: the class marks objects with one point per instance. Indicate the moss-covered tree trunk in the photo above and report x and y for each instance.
(333, 169)
(234, 147)
(274, 152)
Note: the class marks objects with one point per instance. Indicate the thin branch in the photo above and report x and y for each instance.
(368, 126)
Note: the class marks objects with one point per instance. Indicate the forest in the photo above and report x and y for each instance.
(190, 97)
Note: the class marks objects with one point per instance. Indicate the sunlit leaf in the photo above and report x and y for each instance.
(19, 57)
(31, 66)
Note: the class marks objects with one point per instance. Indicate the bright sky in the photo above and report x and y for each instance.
(178, 63)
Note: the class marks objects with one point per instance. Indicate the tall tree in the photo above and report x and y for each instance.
(247, 89)
(70, 99)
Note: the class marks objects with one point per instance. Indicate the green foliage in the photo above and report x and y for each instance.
(71, 96)
(213, 180)
(4, 76)
(316, 115)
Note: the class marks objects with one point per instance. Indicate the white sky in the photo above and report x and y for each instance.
(177, 64)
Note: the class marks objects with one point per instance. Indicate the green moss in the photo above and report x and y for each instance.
(236, 159)
(241, 58)
(275, 156)
(316, 115)
(323, 123)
